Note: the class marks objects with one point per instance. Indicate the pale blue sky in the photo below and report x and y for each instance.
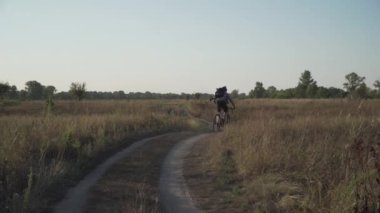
(187, 46)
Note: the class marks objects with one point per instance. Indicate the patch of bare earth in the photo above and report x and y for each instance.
(131, 185)
(213, 189)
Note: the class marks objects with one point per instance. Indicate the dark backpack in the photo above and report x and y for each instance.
(219, 93)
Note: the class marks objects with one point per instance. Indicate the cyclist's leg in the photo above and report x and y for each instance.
(224, 107)
(219, 106)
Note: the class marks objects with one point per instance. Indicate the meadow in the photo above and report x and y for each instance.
(275, 155)
(46, 147)
(291, 156)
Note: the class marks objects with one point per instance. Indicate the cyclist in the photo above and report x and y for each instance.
(222, 99)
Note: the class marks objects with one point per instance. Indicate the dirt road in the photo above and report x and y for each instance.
(173, 193)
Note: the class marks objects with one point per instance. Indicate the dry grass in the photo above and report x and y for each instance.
(40, 146)
(300, 155)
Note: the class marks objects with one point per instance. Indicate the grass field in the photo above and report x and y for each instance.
(291, 156)
(43, 147)
(275, 155)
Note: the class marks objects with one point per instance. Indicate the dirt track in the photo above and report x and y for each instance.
(173, 193)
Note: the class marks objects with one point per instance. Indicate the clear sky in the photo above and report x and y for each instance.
(187, 45)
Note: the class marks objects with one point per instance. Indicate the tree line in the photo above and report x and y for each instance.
(354, 87)
(34, 90)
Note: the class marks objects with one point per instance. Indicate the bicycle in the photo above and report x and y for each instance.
(220, 119)
(218, 122)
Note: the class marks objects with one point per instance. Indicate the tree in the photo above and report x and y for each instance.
(287, 93)
(322, 92)
(258, 92)
(34, 89)
(23, 94)
(197, 95)
(12, 93)
(4, 88)
(307, 87)
(336, 92)
(119, 94)
(376, 84)
(148, 95)
(235, 93)
(242, 95)
(311, 90)
(271, 92)
(49, 91)
(251, 94)
(78, 90)
(354, 81)
(306, 78)
(362, 91)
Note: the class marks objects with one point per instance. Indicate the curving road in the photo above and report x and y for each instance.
(76, 197)
(174, 194)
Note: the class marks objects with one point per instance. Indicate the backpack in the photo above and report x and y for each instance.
(219, 93)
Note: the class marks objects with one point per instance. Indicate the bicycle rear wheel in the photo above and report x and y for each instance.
(216, 123)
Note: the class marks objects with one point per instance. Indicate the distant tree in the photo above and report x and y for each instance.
(287, 93)
(306, 78)
(372, 93)
(78, 90)
(271, 92)
(235, 93)
(354, 81)
(307, 87)
(323, 92)
(376, 84)
(23, 94)
(251, 94)
(197, 95)
(49, 91)
(258, 92)
(12, 93)
(311, 90)
(119, 94)
(362, 91)
(34, 89)
(148, 95)
(63, 96)
(242, 95)
(4, 88)
(336, 92)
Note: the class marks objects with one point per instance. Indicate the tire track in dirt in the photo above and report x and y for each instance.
(174, 194)
(76, 197)
(131, 185)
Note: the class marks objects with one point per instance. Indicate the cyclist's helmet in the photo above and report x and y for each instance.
(224, 89)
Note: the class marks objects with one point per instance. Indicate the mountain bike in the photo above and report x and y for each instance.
(220, 119)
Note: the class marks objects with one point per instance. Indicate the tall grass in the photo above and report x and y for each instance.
(40, 145)
(304, 155)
